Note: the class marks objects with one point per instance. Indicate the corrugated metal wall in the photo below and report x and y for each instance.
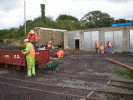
(71, 40)
(116, 40)
(108, 36)
(131, 41)
(90, 39)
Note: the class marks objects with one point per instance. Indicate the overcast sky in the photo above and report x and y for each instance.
(12, 11)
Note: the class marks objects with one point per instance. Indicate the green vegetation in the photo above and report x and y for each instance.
(128, 73)
(94, 19)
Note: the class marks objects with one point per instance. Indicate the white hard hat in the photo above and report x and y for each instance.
(31, 32)
(26, 40)
(50, 41)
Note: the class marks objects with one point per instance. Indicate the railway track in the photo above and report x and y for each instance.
(90, 91)
(51, 83)
(112, 82)
(49, 88)
(112, 93)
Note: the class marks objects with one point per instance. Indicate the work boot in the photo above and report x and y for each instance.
(33, 75)
(27, 76)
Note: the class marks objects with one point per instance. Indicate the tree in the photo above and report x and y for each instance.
(121, 21)
(67, 17)
(43, 12)
(96, 19)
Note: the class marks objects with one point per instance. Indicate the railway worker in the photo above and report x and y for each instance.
(97, 46)
(49, 44)
(109, 47)
(30, 57)
(102, 49)
(32, 36)
(60, 53)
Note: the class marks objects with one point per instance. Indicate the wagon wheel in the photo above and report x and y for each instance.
(2, 65)
(23, 69)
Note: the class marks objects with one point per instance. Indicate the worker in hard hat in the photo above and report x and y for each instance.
(33, 38)
(97, 46)
(49, 44)
(109, 47)
(30, 57)
(60, 53)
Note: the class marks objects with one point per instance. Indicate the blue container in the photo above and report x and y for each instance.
(121, 24)
(128, 23)
(114, 25)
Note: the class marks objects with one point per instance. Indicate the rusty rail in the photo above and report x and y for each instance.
(126, 66)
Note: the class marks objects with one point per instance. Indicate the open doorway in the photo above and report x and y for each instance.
(76, 43)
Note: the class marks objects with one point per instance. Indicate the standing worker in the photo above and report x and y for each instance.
(102, 49)
(33, 38)
(60, 53)
(97, 47)
(109, 47)
(30, 57)
(49, 44)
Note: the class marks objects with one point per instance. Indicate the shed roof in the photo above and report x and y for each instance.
(51, 29)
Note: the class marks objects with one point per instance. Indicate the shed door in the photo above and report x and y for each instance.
(76, 43)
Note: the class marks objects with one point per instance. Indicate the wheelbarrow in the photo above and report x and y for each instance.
(53, 65)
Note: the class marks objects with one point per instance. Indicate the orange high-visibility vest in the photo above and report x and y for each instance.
(32, 50)
(102, 48)
(60, 53)
(97, 44)
(109, 44)
(33, 37)
(49, 44)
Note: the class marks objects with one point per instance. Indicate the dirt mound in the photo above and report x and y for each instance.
(11, 48)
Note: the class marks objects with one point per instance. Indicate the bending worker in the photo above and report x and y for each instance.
(102, 49)
(30, 57)
(60, 53)
(33, 38)
(97, 46)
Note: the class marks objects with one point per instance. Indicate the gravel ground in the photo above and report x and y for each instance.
(76, 76)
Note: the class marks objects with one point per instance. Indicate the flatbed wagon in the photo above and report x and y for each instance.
(17, 59)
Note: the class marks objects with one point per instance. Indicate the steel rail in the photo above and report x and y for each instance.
(113, 80)
(40, 90)
(126, 66)
(96, 90)
(5, 83)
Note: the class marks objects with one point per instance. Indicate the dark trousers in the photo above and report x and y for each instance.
(109, 50)
(97, 50)
(34, 43)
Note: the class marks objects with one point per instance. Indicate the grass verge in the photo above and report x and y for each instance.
(128, 73)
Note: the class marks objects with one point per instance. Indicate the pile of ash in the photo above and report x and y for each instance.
(11, 48)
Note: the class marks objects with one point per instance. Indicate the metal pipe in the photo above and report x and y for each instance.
(25, 16)
(126, 66)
